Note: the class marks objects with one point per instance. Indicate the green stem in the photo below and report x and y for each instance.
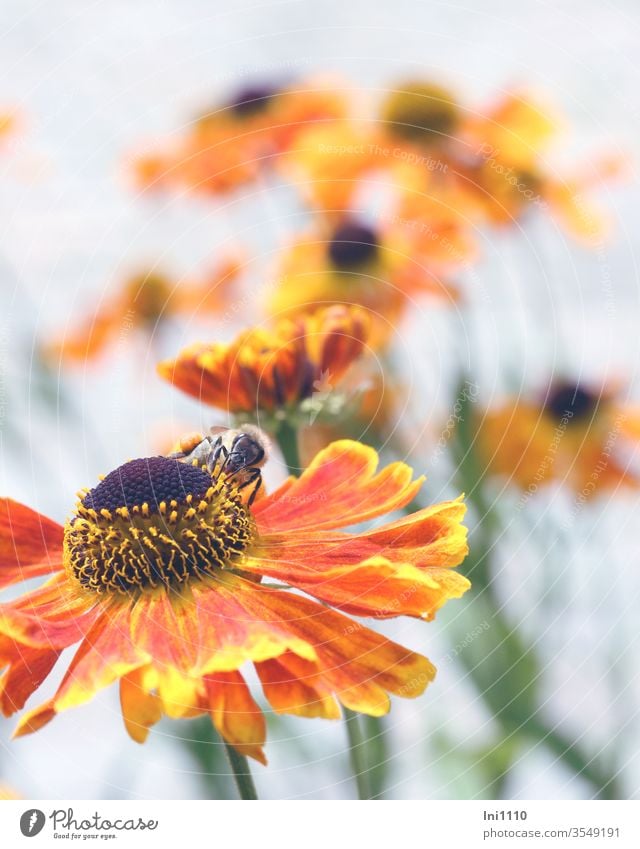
(287, 439)
(241, 773)
(513, 698)
(357, 753)
(607, 785)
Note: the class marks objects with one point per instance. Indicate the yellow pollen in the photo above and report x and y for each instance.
(132, 547)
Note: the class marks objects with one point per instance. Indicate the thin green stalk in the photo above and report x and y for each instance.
(287, 439)
(241, 773)
(512, 696)
(358, 753)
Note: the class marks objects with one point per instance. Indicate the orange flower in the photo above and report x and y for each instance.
(572, 435)
(144, 303)
(157, 576)
(352, 263)
(229, 145)
(271, 369)
(505, 167)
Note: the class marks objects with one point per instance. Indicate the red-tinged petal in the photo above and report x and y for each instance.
(358, 665)
(30, 544)
(27, 669)
(377, 587)
(293, 685)
(106, 654)
(340, 487)
(167, 627)
(140, 709)
(53, 616)
(235, 714)
(234, 630)
(433, 536)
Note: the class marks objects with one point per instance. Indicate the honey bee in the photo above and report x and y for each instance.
(238, 452)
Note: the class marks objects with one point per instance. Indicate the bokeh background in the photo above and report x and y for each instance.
(95, 81)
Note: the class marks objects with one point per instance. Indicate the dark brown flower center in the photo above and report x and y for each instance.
(156, 522)
(252, 100)
(352, 246)
(421, 112)
(572, 401)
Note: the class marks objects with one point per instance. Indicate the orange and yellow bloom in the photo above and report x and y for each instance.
(157, 575)
(354, 263)
(144, 303)
(272, 368)
(232, 143)
(572, 434)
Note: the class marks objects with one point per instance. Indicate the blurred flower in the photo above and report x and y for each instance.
(422, 113)
(229, 144)
(329, 162)
(352, 263)
(505, 167)
(572, 435)
(272, 369)
(157, 575)
(450, 167)
(144, 303)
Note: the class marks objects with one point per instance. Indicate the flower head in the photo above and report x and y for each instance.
(505, 167)
(144, 303)
(229, 144)
(354, 263)
(571, 434)
(272, 368)
(157, 575)
(421, 112)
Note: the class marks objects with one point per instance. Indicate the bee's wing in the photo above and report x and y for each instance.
(218, 430)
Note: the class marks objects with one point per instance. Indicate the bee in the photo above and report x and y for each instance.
(238, 452)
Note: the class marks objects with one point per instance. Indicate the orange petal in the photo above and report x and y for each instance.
(293, 685)
(375, 587)
(35, 719)
(433, 536)
(140, 709)
(27, 669)
(235, 714)
(106, 654)
(340, 487)
(30, 544)
(53, 616)
(234, 630)
(358, 665)
(167, 628)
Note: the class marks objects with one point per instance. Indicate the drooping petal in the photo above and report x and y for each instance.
(340, 487)
(294, 685)
(106, 654)
(30, 544)
(140, 708)
(359, 666)
(235, 714)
